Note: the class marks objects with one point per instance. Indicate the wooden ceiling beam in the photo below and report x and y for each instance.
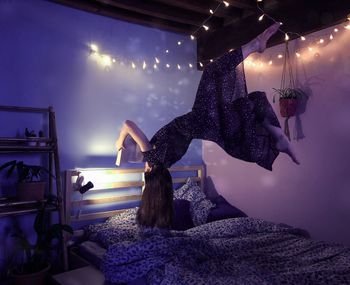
(241, 4)
(165, 12)
(127, 16)
(203, 7)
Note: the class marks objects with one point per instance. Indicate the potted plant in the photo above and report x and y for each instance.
(29, 184)
(288, 100)
(35, 259)
(31, 137)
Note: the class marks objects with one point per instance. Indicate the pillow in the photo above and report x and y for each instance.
(178, 193)
(182, 219)
(199, 204)
(223, 210)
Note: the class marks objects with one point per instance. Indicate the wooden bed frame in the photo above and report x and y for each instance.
(114, 180)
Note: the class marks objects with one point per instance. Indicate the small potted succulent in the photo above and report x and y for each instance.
(30, 187)
(32, 261)
(31, 137)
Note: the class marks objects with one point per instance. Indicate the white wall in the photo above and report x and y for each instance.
(316, 194)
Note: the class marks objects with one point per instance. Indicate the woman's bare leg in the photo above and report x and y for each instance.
(282, 142)
(259, 43)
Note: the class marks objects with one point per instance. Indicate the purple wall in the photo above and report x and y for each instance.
(45, 60)
(314, 195)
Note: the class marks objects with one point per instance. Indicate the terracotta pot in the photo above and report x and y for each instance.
(288, 107)
(31, 191)
(37, 278)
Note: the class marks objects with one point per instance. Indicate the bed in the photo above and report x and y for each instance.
(211, 242)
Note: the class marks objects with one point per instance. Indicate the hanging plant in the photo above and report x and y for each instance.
(288, 95)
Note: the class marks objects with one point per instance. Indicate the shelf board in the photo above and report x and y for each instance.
(14, 207)
(25, 148)
(22, 145)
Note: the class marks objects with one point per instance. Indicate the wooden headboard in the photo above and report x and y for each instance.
(114, 187)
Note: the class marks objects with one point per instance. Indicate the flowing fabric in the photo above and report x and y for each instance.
(224, 113)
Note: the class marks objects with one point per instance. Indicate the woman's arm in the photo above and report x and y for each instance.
(130, 128)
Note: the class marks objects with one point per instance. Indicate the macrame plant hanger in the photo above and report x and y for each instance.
(288, 101)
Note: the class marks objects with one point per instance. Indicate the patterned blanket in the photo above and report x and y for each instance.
(232, 251)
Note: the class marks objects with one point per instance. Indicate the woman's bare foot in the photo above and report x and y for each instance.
(259, 43)
(282, 142)
(284, 145)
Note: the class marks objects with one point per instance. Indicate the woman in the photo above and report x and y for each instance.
(244, 125)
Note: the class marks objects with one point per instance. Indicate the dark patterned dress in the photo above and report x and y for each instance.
(224, 113)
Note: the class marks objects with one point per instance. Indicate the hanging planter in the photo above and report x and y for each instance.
(288, 96)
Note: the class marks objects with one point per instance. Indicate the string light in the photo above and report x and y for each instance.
(107, 61)
(93, 48)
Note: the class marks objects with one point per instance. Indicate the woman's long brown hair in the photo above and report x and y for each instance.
(156, 209)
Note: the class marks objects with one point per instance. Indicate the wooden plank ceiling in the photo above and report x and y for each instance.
(229, 27)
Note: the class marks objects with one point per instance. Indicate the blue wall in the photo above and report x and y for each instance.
(45, 60)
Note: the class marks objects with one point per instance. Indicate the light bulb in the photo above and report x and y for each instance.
(261, 17)
(270, 62)
(190, 65)
(336, 30)
(226, 3)
(144, 65)
(201, 64)
(133, 65)
(211, 11)
(178, 66)
(154, 66)
(280, 56)
(331, 37)
(192, 37)
(94, 48)
(157, 60)
(167, 65)
(297, 54)
(179, 43)
(347, 27)
(303, 38)
(206, 27)
(321, 41)
(286, 37)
